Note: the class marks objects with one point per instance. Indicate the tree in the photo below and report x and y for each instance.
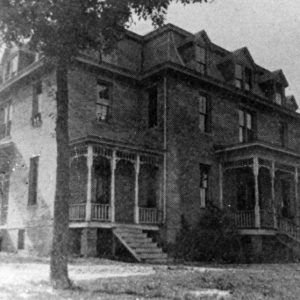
(60, 30)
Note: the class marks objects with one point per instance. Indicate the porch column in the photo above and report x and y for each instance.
(112, 186)
(221, 186)
(256, 209)
(136, 190)
(89, 161)
(273, 194)
(296, 195)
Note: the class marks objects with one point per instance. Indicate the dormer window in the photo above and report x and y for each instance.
(243, 77)
(11, 67)
(200, 57)
(278, 94)
(239, 76)
(248, 79)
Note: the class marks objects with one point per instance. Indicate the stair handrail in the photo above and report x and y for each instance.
(288, 227)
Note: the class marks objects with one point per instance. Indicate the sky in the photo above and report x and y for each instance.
(269, 28)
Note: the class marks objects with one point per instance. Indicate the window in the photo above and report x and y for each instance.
(204, 113)
(246, 130)
(5, 120)
(278, 94)
(248, 79)
(21, 239)
(36, 117)
(204, 182)
(11, 67)
(283, 130)
(201, 59)
(152, 107)
(243, 77)
(33, 180)
(239, 76)
(103, 101)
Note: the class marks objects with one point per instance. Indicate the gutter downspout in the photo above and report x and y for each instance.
(165, 152)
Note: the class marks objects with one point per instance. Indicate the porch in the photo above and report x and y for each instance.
(259, 184)
(112, 186)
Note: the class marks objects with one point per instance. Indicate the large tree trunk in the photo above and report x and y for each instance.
(59, 254)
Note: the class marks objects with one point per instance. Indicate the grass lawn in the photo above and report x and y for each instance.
(27, 278)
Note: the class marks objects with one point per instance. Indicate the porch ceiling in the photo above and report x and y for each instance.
(258, 149)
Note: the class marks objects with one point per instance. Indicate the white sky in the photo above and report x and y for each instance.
(269, 28)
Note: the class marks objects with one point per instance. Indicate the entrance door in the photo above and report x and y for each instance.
(124, 195)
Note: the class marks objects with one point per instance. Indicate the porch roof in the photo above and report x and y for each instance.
(258, 149)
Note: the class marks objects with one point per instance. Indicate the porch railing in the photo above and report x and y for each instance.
(77, 212)
(245, 219)
(289, 228)
(149, 215)
(100, 212)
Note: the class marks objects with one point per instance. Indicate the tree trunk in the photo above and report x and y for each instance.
(59, 254)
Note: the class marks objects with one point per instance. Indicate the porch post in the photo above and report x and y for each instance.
(136, 187)
(221, 186)
(256, 209)
(112, 186)
(296, 194)
(273, 194)
(89, 161)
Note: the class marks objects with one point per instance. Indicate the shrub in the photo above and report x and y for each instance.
(214, 238)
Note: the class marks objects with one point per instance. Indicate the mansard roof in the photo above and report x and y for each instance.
(276, 75)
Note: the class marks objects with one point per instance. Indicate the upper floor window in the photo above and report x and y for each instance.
(103, 101)
(238, 76)
(243, 77)
(204, 181)
(36, 117)
(11, 67)
(248, 79)
(152, 107)
(278, 94)
(5, 120)
(200, 55)
(204, 113)
(283, 133)
(246, 126)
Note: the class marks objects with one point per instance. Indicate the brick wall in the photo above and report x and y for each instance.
(30, 142)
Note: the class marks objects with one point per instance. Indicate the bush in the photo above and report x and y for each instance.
(214, 238)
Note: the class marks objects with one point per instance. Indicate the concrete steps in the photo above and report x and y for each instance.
(140, 245)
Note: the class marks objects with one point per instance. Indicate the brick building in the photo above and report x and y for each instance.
(165, 125)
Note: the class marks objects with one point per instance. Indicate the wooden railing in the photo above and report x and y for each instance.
(289, 228)
(149, 215)
(245, 219)
(77, 212)
(100, 212)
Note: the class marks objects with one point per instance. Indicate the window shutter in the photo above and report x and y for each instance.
(209, 115)
(33, 180)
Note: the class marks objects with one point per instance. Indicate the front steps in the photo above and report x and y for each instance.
(142, 248)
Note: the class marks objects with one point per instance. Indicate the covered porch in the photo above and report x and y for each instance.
(113, 185)
(259, 183)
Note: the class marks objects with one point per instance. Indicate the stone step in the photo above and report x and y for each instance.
(130, 234)
(146, 256)
(134, 240)
(148, 250)
(156, 261)
(128, 229)
(143, 245)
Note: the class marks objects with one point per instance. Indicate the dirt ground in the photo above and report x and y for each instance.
(27, 278)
